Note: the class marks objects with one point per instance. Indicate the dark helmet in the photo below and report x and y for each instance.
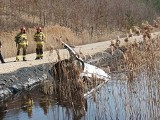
(23, 29)
(39, 29)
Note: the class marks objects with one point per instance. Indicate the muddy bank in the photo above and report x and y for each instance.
(27, 77)
(22, 79)
(17, 76)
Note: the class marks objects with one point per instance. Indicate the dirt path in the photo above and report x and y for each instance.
(51, 56)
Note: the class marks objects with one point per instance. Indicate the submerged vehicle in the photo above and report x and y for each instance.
(74, 70)
(88, 69)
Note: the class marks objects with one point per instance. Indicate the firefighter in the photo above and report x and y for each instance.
(1, 57)
(21, 42)
(39, 38)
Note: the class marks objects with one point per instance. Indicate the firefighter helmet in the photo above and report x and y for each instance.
(39, 29)
(23, 29)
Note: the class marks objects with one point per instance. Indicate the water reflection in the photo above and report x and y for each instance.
(3, 110)
(45, 103)
(137, 99)
(67, 86)
(27, 104)
(30, 102)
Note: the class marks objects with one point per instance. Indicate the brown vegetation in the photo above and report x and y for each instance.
(140, 56)
(80, 22)
(94, 15)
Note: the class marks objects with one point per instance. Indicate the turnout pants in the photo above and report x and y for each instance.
(39, 50)
(1, 58)
(24, 48)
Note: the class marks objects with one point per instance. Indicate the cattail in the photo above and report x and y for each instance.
(136, 29)
(49, 48)
(117, 44)
(158, 19)
(81, 54)
(112, 47)
(146, 34)
(130, 33)
(147, 27)
(135, 44)
(155, 24)
(112, 43)
(126, 39)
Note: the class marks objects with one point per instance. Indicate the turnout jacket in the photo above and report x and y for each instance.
(21, 38)
(39, 37)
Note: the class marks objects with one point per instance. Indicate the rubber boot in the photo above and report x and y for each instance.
(24, 54)
(37, 53)
(24, 59)
(1, 58)
(17, 59)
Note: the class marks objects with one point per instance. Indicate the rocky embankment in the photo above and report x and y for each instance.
(17, 76)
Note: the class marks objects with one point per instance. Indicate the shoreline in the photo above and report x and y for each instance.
(16, 76)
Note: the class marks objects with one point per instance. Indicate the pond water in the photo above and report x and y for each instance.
(117, 99)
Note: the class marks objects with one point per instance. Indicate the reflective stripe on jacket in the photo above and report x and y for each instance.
(23, 43)
(21, 38)
(40, 43)
(39, 37)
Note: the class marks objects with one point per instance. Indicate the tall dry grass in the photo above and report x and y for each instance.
(85, 21)
(53, 34)
(139, 57)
